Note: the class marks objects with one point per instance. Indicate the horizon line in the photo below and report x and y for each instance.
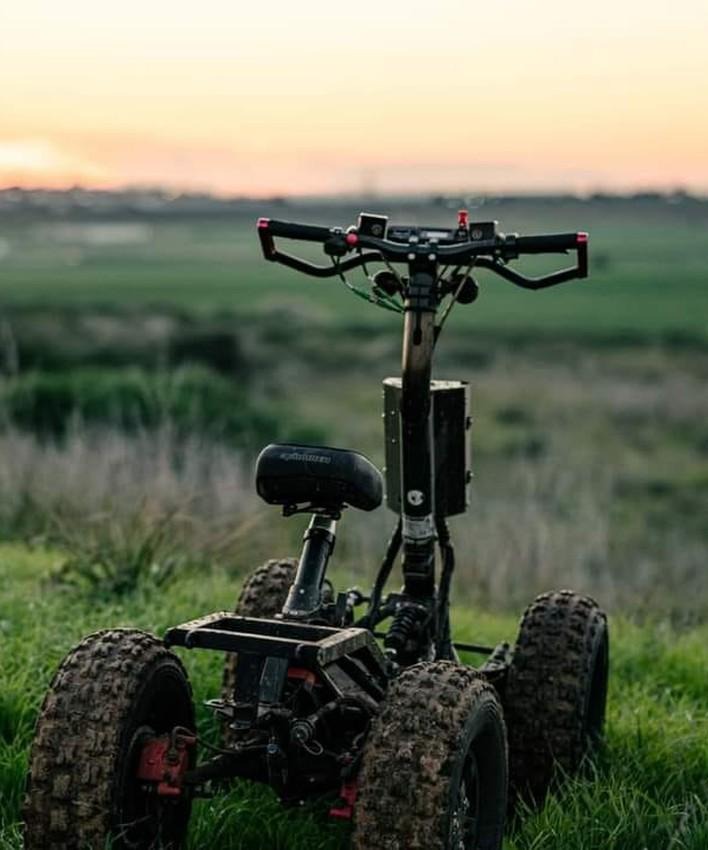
(174, 193)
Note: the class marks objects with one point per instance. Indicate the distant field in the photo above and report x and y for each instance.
(648, 262)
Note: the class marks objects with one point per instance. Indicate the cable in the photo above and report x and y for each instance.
(380, 298)
(453, 300)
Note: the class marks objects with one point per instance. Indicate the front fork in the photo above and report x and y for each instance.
(417, 479)
(415, 625)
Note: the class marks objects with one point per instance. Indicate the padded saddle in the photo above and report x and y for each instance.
(319, 476)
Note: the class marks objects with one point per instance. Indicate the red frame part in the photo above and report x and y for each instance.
(165, 760)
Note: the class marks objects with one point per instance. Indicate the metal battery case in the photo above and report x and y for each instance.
(451, 446)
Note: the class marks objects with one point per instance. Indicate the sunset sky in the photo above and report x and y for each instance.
(321, 97)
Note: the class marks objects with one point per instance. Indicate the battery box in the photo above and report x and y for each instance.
(451, 446)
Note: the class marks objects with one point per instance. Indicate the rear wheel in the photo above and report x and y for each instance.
(434, 769)
(265, 590)
(556, 690)
(111, 694)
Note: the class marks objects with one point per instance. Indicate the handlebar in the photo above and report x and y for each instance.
(304, 232)
(475, 244)
(549, 244)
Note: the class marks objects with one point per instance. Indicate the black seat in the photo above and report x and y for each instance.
(288, 474)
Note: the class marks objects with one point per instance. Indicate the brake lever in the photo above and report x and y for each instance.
(322, 271)
(271, 253)
(579, 271)
(523, 280)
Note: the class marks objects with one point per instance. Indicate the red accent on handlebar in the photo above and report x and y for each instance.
(581, 238)
(266, 237)
(463, 219)
(352, 239)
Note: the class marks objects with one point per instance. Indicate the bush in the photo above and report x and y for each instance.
(112, 560)
(56, 340)
(192, 400)
(216, 348)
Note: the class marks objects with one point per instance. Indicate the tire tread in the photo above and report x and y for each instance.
(547, 687)
(407, 762)
(78, 736)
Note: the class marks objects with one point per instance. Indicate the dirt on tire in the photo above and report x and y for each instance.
(411, 761)
(556, 691)
(77, 760)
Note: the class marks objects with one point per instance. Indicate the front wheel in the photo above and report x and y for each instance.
(113, 692)
(434, 767)
(556, 690)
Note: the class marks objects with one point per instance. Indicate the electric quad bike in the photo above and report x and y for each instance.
(359, 697)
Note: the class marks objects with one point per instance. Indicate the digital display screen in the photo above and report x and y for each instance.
(400, 233)
(436, 234)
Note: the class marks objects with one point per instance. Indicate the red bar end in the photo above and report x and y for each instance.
(263, 223)
(352, 239)
(463, 219)
(581, 238)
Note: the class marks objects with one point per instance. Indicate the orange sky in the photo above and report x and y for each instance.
(285, 97)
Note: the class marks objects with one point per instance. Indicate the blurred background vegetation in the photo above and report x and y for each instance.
(147, 352)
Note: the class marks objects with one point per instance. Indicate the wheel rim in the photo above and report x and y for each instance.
(597, 695)
(146, 820)
(465, 814)
(141, 816)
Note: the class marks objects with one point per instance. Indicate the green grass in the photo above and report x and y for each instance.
(647, 260)
(649, 789)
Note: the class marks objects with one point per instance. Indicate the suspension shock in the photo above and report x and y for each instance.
(405, 635)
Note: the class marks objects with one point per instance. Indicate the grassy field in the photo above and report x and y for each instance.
(647, 791)
(647, 258)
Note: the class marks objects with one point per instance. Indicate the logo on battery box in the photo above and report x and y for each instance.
(415, 497)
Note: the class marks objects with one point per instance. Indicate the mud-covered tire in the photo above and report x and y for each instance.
(114, 688)
(556, 691)
(265, 590)
(263, 595)
(441, 725)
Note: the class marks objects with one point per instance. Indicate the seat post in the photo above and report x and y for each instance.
(305, 596)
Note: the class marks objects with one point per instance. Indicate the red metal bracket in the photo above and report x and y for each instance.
(301, 673)
(165, 760)
(347, 794)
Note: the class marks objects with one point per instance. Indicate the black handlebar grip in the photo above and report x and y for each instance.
(293, 230)
(550, 243)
